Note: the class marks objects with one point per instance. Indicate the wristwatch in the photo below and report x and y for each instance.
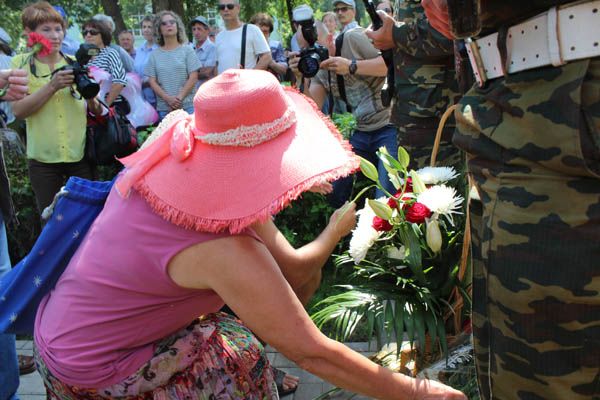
(352, 67)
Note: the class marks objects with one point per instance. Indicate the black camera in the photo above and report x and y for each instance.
(87, 87)
(315, 54)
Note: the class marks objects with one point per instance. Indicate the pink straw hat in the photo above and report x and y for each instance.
(250, 148)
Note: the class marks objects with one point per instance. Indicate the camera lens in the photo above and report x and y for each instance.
(87, 88)
(309, 65)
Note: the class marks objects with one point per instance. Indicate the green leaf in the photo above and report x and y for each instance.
(399, 322)
(389, 318)
(389, 162)
(430, 321)
(380, 209)
(369, 170)
(403, 157)
(420, 326)
(409, 323)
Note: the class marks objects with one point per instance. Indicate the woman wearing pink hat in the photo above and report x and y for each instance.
(188, 228)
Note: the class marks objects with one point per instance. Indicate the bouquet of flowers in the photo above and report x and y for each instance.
(405, 253)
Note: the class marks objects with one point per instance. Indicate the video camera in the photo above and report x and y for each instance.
(87, 87)
(387, 92)
(315, 54)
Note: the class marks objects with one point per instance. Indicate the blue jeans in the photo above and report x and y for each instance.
(366, 144)
(162, 114)
(9, 366)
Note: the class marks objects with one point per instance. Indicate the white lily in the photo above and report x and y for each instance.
(433, 235)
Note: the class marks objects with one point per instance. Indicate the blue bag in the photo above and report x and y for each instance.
(21, 290)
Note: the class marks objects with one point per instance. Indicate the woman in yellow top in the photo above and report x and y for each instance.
(53, 110)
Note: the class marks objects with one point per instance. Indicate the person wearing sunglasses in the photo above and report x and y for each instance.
(98, 33)
(55, 114)
(229, 41)
(173, 67)
(345, 10)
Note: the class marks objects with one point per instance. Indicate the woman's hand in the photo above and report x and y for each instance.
(437, 15)
(62, 79)
(343, 220)
(173, 102)
(17, 81)
(425, 389)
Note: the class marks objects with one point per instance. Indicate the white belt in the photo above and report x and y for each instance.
(562, 34)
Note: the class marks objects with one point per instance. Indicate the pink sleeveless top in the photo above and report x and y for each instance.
(115, 298)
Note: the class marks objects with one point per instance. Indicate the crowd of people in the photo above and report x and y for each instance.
(232, 147)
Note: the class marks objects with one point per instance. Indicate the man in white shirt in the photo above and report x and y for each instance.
(229, 41)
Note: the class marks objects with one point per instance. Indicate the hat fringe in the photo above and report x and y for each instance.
(236, 225)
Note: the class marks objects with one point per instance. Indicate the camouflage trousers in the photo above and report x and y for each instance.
(418, 142)
(533, 151)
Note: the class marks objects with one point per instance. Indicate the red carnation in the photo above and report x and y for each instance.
(381, 225)
(409, 187)
(416, 213)
(39, 44)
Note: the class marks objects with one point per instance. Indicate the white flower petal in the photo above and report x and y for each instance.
(364, 235)
(435, 175)
(441, 199)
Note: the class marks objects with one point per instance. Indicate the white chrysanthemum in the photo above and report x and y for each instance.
(435, 175)
(364, 235)
(441, 199)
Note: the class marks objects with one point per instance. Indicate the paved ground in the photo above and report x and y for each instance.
(31, 387)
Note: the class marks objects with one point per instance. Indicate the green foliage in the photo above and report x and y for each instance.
(22, 235)
(304, 219)
(346, 124)
(403, 284)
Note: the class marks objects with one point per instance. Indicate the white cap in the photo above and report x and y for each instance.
(302, 13)
(350, 3)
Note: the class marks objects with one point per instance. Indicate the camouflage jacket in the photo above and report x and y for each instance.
(424, 62)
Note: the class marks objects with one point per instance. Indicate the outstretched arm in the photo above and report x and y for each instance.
(246, 276)
(302, 267)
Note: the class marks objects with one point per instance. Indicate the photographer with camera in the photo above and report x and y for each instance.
(354, 71)
(425, 82)
(54, 111)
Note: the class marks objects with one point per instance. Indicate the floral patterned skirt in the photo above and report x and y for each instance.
(215, 357)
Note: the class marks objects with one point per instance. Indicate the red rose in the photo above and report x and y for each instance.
(416, 213)
(381, 225)
(39, 44)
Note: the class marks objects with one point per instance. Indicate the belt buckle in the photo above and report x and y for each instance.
(476, 61)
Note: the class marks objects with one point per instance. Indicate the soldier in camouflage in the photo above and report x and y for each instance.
(532, 140)
(425, 83)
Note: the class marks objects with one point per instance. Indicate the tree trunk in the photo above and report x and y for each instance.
(112, 8)
(290, 7)
(173, 5)
(177, 7)
(159, 5)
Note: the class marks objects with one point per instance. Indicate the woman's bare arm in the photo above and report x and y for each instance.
(302, 267)
(243, 272)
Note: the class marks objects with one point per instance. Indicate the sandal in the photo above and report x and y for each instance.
(279, 375)
(26, 364)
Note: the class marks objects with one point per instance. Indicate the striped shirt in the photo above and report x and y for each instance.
(172, 68)
(109, 60)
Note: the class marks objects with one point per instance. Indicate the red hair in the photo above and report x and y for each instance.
(40, 13)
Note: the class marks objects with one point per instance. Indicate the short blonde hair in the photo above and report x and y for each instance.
(40, 13)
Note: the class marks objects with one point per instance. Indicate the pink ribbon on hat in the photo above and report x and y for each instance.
(176, 140)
